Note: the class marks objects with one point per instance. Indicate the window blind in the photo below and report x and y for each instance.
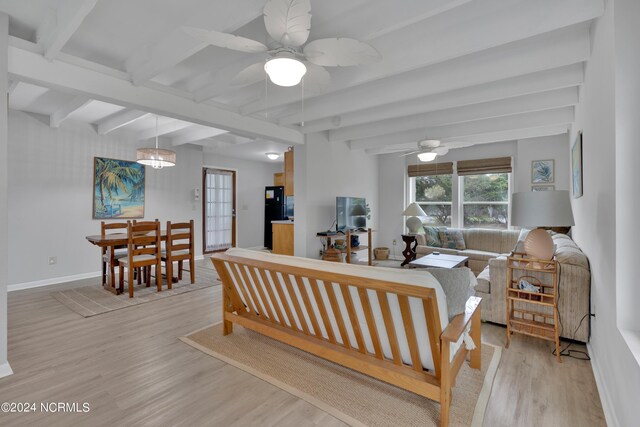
(428, 169)
(482, 166)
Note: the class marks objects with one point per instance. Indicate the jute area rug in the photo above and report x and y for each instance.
(92, 300)
(354, 398)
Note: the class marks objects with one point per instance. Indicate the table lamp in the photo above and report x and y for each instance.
(541, 209)
(413, 211)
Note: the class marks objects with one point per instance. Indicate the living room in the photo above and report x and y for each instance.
(540, 78)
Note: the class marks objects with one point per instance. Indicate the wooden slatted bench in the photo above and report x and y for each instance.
(388, 324)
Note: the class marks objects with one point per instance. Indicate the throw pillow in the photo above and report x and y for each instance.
(431, 234)
(458, 285)
(452, 239)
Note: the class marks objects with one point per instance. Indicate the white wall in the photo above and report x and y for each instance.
(545, 148)
(332, 170)
(627, 106)
(50, 195)
(251, 178)
(617, 372)
(5, 369)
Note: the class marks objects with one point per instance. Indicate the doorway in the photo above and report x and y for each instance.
(218, 209)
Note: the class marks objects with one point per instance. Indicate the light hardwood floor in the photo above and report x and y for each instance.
(132, 370)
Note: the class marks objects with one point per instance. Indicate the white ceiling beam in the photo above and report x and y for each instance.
(484, 138)
(60, 115)
(177, 46)
(31, 67)
(56, 32)
(571, 75)
(549, 51)
(13, 84)
(119, 120)
(485, 110)
(196, 135)
(475, 27)
(374, 19)
(172, 126)
(559, 116)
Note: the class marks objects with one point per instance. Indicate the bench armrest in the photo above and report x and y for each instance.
(458, 324)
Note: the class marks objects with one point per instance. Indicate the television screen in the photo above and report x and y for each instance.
(351, 213)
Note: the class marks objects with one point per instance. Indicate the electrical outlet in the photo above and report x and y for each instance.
(395, 242)
(53, 260)
(321, 252)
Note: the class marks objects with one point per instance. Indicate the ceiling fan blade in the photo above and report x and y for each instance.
(340, 52)
(250, 75)
(227, 41)
(411, 152)
(288, 21)
(441, 151)
(316, 79)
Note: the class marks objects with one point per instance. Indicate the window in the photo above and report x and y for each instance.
(485, 200)
(434, 195)
(474, 194)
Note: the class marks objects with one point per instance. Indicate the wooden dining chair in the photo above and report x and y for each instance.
(144, 274)
(179, 248)
(112, 254)
(143, 251)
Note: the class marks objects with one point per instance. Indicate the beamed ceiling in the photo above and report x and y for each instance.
(463, 71)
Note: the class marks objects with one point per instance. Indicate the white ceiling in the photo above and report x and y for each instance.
(464, 71)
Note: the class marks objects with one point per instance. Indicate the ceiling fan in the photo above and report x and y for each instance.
(290, 56)
(428, 150)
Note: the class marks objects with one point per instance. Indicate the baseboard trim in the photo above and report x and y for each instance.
(5, 370)
(603, 390)
(52, 281)
(62, 279)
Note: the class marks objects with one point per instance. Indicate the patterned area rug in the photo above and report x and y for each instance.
(354, 398)
(92, 300)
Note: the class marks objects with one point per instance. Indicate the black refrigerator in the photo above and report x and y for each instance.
(274, 210)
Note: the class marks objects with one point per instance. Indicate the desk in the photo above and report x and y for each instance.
(111, 241)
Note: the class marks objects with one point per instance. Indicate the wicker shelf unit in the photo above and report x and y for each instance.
(533, 313)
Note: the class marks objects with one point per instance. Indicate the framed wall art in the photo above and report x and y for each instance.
(542, 172)
(118, 189)
(576, 167)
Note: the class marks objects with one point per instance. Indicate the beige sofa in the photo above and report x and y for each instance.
(488, 250)
(574, 288)
(482, 245)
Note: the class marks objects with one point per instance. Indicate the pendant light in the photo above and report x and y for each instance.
(157, 158)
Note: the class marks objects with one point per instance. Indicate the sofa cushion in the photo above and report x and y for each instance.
(483, 239)
(432, 237)
(567, 252)
(426, 250)
(452, 238)
(478, 255)
(484, 282)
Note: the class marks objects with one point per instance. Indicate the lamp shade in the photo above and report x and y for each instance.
(414, 209)
(157, 158)
(541, 209)
(285, 71)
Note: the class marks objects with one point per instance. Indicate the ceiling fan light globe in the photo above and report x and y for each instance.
(285, 71)
(427, 157)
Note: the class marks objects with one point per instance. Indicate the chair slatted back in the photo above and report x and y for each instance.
(144, 238)
(348, 311)
(179, 237)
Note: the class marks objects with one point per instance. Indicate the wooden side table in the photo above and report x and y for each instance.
(409, 252)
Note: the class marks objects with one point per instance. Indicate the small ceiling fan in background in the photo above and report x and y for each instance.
(428, 150)
(290, 58)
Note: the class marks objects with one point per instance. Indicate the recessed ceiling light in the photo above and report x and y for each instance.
(273, 156)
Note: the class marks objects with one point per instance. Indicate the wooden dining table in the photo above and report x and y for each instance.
(111, 242)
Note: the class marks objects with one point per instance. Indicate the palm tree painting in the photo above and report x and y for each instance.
(118, 189)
